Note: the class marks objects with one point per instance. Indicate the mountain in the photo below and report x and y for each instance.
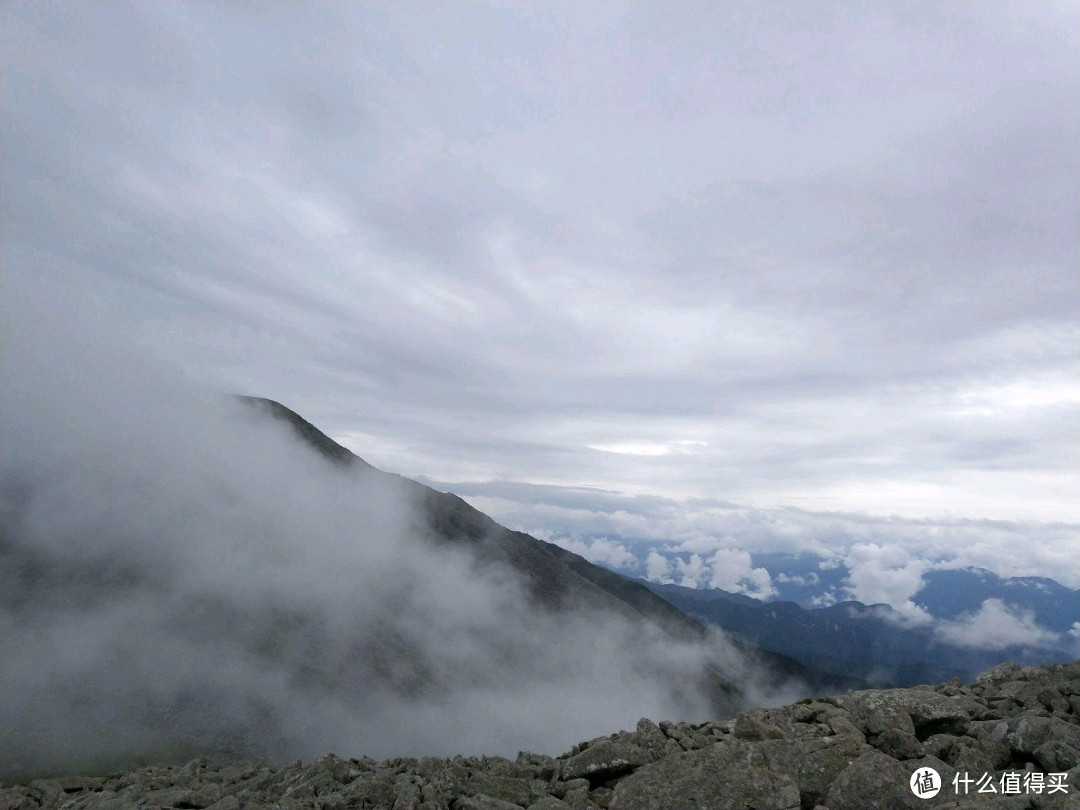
(198, 576)
(557, 579)
(878, 644)
(953, 593)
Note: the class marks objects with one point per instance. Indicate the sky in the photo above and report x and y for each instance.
(722, 277)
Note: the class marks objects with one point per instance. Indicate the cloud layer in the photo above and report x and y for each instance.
(822, 258)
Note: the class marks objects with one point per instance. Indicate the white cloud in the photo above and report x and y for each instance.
(658, 568)
(692, 573)
(802, 581)
(733, 571)
(907, 614)
(600, 550)
(996, 626)
(883, 574)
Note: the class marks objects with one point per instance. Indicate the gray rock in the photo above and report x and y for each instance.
(619, 754)
(46, 792)
(748, 727)
(920, 712)
(873, 782)
(549, 803)
(815, 763)
(724, 777)
(481, 802)
(509, 789)
(182, 798)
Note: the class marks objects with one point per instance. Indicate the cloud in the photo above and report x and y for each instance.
(807, 580)
(658, 568)
(997, 625)
(883, 573)
(732, 571)
(889, 553)
(600, 550)
(177, 572)
(905, 615)
(691, 572)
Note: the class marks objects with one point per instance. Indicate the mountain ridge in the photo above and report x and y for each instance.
(872, 642)
(453, 519)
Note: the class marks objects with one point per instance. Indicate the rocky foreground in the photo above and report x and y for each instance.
(1016, 730)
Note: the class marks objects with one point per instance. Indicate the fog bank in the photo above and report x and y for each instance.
(181, 574)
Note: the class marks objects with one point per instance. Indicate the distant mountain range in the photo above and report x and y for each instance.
(1035, 622)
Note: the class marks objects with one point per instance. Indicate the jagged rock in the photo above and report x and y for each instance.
(899, 744)
(619, 754)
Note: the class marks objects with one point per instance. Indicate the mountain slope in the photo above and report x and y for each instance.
(557, 578)
(202, 577)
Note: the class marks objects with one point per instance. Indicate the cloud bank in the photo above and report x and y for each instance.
(996, 626)
(178, 573)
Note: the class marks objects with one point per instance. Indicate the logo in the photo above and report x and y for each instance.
(925, 783)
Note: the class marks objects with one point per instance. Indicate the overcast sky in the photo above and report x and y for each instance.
(795, 264)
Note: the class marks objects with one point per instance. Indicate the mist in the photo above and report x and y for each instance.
(180, 575)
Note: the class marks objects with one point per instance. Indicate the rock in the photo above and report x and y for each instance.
(11, 799)
(815, 763)
(46, 792)
(749, 727)
(724, 777)
(549, 803)
(619, 754)
(514, 791)
(482, 802)
(899, 744)
(920, 712)
(182, 799)
(873, 782)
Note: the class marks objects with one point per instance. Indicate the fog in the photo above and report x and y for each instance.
(179, 574)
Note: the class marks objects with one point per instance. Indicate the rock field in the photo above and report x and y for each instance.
(1016, 730)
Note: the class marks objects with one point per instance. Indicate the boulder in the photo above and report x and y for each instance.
(727, 776)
